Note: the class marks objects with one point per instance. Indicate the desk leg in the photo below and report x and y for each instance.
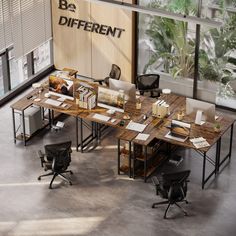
(218, 155)
(130, 159)
(81, 135)
(96, 130)
(134, 161)
(14, 124)
(145, 164)
(52, 116)
(203, 170)
(23, 123)
(231, 140)
(93, 130)
(49, 118)
(118, 160)
(76, 133)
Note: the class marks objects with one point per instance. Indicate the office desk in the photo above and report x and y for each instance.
(155, 127)
(206, 130)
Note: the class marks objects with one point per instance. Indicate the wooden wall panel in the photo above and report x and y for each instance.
(90, 53)
(72, 47)
(108, 50)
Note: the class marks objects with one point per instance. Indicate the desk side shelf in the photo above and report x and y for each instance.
(139, 160)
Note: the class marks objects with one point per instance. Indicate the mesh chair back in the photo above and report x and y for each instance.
(115, 72)
(176, 181)
(60, 154)
(148, 82)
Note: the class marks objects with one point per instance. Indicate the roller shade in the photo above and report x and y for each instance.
(7, 23)
(2, 38)
(17, 28)
(26, 24)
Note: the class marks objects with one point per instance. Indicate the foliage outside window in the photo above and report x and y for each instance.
(172, 42)
(218, 50)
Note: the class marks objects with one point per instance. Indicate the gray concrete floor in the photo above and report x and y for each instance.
(100, 202)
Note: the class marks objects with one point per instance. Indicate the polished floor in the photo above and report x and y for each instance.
(100, 202)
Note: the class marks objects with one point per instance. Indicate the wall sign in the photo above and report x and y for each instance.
(86, 25)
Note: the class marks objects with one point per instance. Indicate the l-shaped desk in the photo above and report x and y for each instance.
(156, 128)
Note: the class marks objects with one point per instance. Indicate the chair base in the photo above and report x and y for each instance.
(55, 174)
(169, 204)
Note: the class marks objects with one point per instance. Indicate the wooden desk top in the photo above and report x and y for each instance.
(159, 130)
(155, 127)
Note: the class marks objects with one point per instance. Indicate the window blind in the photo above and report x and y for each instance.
(33, 25)
(17, 28)
(2, 38)
(7, 23)
(48, 19)
(27, 24)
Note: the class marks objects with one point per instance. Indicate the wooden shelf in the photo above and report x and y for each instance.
(124, 169)
(154, 166)
(140, 171)
(20, 137)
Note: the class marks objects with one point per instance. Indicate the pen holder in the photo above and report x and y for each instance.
(180, 116)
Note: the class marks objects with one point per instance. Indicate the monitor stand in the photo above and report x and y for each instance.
(198, 119)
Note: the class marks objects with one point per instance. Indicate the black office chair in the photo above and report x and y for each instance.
(114, 74)
(149, 83)
(57, 158)
(171, 186)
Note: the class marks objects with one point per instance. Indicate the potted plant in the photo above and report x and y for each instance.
(217, 127)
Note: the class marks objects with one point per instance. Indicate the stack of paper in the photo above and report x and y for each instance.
(199, 142)
(101, 117)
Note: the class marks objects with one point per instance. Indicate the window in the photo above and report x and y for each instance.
(218, 53)
(18, 69)
(167, 46)
(42, 57)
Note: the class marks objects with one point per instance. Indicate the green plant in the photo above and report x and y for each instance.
(173, 47)
(216, 60)
(217, 125)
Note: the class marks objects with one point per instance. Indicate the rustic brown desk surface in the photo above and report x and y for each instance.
(156, 128)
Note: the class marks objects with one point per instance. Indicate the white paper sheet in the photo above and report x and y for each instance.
(101, 117)
(136, 126)
(142, 137)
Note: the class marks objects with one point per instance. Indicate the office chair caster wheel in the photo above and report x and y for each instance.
(187, 202)
(70, 183)
(71, 173)
(39, 178)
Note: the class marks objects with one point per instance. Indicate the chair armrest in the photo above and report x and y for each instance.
(156, 183)
(41, 156)
(48, 165)
(100, 81)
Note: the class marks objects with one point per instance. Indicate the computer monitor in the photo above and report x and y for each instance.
(61, 86)
(129, 88)
(108, 98)
(208, 109)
